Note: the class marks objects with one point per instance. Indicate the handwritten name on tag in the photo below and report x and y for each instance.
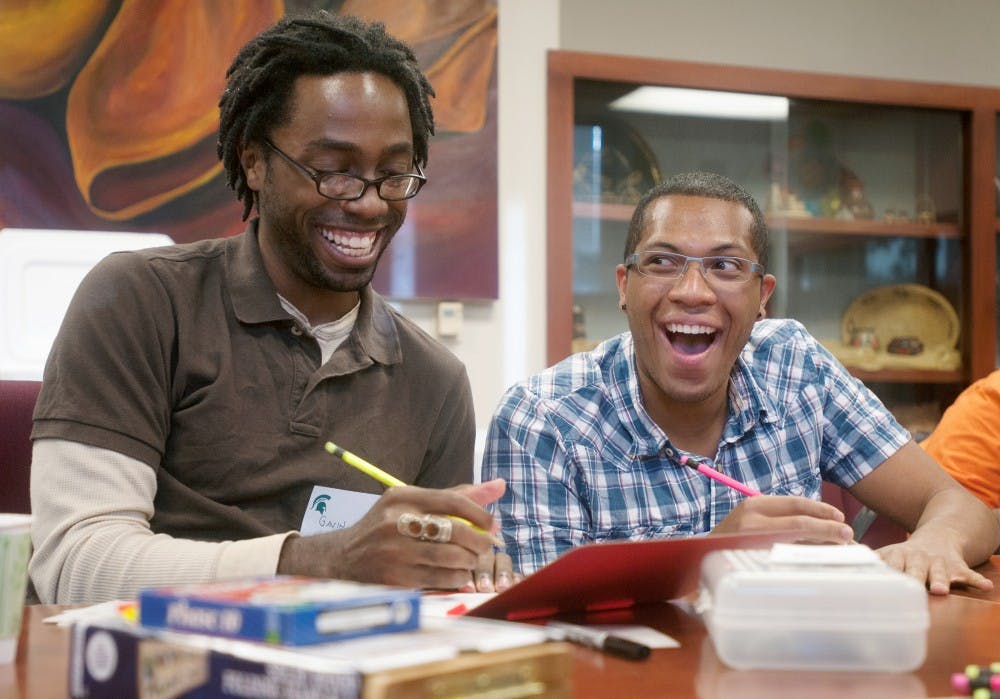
(332, 509)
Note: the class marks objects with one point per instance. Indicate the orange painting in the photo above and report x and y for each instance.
(109, 113)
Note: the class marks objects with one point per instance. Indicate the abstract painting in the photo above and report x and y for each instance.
(109, 113)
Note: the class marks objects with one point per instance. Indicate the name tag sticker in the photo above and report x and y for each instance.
(332, 509)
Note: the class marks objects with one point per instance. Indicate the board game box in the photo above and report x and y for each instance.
(284, 610)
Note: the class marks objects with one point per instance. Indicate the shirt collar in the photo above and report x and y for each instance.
(255, 300)
(648, 438)
(749, 403)
(376, 331)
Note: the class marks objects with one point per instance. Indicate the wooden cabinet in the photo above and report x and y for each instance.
(877, 191)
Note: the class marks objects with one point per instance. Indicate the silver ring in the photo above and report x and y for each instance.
(410, 525)
(425, 527)
(436, 529)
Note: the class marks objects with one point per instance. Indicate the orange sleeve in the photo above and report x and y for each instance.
(967, 440)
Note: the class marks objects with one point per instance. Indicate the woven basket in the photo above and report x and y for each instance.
(899, 311)
(902, 310)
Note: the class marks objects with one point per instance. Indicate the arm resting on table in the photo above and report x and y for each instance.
(90, 530)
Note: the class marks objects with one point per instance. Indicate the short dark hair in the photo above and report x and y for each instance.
(261, 77)
(701, 184)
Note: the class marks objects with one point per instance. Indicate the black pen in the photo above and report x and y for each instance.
(601, 640)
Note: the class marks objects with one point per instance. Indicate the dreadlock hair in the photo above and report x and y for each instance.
(261, 77)
(701, 184)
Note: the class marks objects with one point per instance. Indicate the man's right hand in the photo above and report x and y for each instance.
(374, 550)
(819, 522)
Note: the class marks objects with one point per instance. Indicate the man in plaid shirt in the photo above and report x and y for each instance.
(594, 448)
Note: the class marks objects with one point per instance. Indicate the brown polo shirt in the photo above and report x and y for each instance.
(183, 358)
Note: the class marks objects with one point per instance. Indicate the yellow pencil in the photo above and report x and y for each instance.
(357, 462)
(352, 459)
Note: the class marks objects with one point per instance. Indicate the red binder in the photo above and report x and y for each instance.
(614, 575)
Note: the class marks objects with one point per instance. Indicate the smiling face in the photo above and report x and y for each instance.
(319, 252)
(688, 334)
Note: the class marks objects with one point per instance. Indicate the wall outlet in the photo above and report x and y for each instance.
(449, 320)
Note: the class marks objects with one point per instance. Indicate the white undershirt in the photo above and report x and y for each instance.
(329, 335)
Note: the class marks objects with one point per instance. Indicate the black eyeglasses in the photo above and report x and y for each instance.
(716, 269)
(344, 187)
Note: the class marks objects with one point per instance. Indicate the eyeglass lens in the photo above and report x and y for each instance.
(343, 186)
(720, 268)
(340, 185)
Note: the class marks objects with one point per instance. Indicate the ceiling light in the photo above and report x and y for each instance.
(703, 103)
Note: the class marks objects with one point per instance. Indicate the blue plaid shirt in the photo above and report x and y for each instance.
(585, 463)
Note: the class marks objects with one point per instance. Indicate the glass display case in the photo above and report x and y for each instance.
(873, 191)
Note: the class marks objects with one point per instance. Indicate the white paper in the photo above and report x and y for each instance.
(484, 635)
(434, 606)
(332, 509)
(95, 612)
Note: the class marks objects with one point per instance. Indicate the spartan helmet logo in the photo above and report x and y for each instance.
(319, 504)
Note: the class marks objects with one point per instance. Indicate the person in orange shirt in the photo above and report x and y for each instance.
(966, 442)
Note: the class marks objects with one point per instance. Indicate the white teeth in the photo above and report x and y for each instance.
(355, 245)
(690, 329)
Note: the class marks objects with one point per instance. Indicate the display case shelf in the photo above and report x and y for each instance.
(623, 212)
(865, 227)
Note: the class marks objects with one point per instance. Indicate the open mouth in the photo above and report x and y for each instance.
(350, 243)
(690, 339)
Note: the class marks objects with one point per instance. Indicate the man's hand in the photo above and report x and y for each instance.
(819, 522)
(934, 558)
(494, 573)
(952, 530)
(373, 550)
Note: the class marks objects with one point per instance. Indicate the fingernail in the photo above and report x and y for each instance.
(468, 587)
(846, 533)
(939, 588)
(503, 582)
(485, 583)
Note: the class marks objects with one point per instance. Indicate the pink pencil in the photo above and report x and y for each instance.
(706, 470)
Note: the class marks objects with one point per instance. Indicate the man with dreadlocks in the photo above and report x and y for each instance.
(180, 431)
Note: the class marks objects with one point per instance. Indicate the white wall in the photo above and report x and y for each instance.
(928, 40)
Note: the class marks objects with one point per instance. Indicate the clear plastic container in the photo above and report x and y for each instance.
(765, 611)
